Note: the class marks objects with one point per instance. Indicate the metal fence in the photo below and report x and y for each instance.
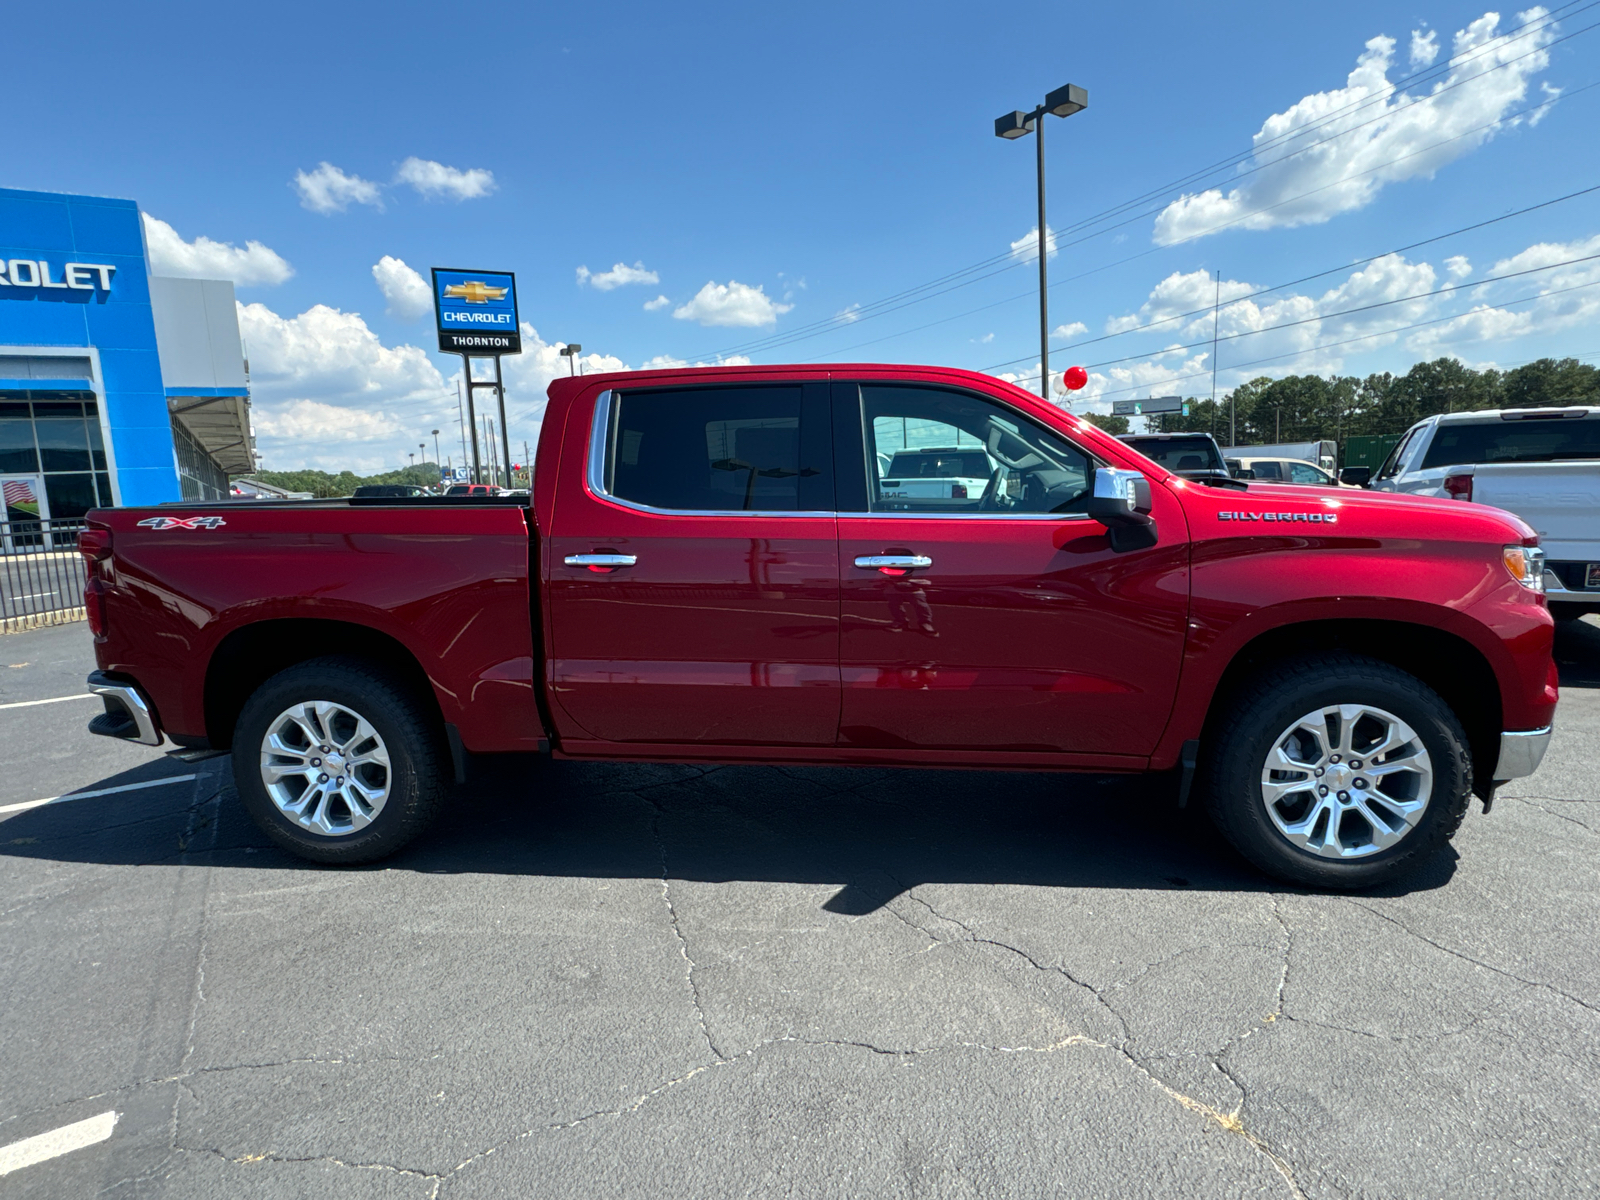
(41, 574)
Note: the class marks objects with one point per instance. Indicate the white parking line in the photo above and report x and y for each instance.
(126, 787)
(56, 1143)
(52, 700)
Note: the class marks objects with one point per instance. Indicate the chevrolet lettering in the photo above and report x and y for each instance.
(37, 273)
(731, 565)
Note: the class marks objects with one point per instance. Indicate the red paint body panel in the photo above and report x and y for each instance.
(1025, 635)
(1029, 644)
(450, 585)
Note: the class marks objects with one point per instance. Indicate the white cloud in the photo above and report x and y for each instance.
(657, 304)
(732, 303)
(408, 294)
(314, 420)
(1026, 247)
(848, 314)
(1458, 266)
(1072, 329)
(433, 179)
(1385, 135)
(328, 394)
(330, 190)
(1424, 47)
(205, 259)
(619, 276)
(1554, 307)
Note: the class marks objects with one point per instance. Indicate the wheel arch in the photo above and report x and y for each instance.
(250, 655)
(1448, 663)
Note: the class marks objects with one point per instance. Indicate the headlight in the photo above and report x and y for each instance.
(1526, 564)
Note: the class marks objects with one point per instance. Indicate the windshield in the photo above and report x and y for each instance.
(1538, 440)
(1180, 453)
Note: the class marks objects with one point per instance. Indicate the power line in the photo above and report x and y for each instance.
(874, 308)
(1365, 337)
(805, 333)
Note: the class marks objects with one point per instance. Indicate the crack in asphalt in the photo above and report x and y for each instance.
(1464, 957)
(268, 1156)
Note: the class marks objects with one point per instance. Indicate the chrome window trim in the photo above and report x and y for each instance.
(600, 431)
(599, 434)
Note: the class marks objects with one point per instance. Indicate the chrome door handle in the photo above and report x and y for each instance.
(893, 562)
(601, 562)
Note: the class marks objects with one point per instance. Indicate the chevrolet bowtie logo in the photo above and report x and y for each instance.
(473, 292)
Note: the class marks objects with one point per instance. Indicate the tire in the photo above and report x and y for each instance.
(357, 811)
(1301, 713)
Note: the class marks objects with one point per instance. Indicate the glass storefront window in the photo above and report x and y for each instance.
(70, 496)
(16, 443)
(56, 434)
(63, 444)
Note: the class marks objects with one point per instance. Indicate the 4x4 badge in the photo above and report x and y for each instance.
(181, 522)
(1316, 518)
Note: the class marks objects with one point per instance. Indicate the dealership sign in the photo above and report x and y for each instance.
(477, 312)
(35, 275)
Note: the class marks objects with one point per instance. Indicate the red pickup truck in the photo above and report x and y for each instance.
(713, 570)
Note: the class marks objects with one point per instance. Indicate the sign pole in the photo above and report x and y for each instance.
(505, 430)
(472, 417)
(476, 314)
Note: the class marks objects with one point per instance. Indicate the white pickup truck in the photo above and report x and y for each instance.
(1543, 464)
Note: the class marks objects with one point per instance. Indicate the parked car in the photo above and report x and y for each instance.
(1191, 455)
(1543, 464)
(473, 489)
(1323, 452)
(938, 475)
(709, 572)
(1280, 470)
(375, 491)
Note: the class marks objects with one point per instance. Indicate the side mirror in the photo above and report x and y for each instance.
(1356, 476)
(1121, 502)
(1244, 473)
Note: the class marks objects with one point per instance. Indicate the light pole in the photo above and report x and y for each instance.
(570, 352)
(436, 457)
(1062, 102)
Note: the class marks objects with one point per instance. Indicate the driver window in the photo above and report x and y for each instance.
(934, 451)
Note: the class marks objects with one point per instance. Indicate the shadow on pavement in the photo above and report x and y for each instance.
(1577, 652)
(870, 833)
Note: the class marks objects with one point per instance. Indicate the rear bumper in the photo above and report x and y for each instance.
(1521, 752)
(129, 715)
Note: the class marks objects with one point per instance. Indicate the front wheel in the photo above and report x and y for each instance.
(1338, 772)
(337, 762)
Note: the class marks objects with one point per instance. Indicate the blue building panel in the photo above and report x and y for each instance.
(116, 321)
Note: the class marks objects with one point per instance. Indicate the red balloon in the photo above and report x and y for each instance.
(1074, 378)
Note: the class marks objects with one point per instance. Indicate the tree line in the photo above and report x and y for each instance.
(1304, 408)
(323, 485)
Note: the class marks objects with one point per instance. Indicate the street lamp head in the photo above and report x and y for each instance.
(570, 349)
(1013, 125)
(1065, 101)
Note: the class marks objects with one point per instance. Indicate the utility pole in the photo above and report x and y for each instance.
(1216, 312)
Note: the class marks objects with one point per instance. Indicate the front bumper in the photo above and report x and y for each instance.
(1521, 752)
(128, 715)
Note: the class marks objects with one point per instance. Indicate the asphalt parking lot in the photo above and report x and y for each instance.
(594, 980)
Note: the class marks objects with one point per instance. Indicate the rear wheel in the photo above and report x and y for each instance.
(1338, 772)
(337, 761)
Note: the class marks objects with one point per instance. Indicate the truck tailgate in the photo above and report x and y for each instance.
(1561, 500)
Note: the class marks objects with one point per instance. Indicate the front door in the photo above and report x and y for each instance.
(981, 610)
(694, 579)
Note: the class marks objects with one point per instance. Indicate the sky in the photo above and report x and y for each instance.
(708, 183)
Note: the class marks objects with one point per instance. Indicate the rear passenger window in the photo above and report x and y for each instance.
(714, 450)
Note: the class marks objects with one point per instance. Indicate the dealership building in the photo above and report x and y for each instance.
(116, 386)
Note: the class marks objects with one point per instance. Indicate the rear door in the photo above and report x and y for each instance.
(694, 580)
(1002, 620)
